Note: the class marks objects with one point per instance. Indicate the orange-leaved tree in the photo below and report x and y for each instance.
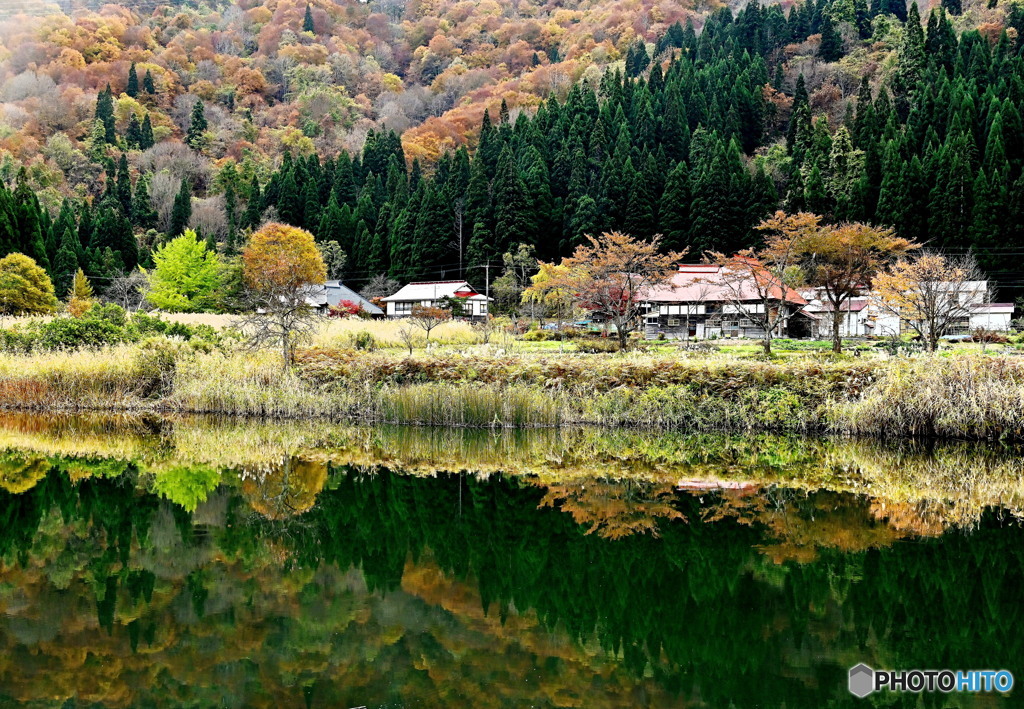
(610, 276)
(758, 282)
(280, 265)
(842, 260)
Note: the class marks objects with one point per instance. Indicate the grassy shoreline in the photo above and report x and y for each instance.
(980, 397)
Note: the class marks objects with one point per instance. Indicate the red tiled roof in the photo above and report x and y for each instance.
(701, 282)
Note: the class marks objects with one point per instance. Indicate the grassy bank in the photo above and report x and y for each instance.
(952, 397)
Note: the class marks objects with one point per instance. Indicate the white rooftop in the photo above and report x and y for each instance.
(435, 290)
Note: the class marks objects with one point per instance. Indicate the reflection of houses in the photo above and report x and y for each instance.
(968, 309)
(327, 296)
(435, 294)
(701, 303)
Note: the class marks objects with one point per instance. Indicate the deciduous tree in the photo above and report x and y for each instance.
(279, 264)
(610, 274)
(186, 277)
(931, 293)
(24, 287)
(842, 260)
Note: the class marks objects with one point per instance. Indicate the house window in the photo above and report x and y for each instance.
(673, 322)
(483, 308)
(403, 308)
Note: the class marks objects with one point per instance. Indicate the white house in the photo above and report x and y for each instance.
(433, 294)
(865, 316)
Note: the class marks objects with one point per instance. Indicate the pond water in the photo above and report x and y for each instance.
(199, 563)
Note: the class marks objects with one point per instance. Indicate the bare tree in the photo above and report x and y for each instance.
(380, 286)
(932, 293)
(756, 282)
(128, 290)
(485, 328)
(408, 337)
(704, 290)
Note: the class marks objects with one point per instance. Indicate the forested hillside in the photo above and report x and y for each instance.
(430, 137)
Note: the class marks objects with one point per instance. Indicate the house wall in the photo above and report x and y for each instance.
(403, 309)
(997, 322)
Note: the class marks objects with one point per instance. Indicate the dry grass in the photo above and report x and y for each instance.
(957, 397)
(335, 332)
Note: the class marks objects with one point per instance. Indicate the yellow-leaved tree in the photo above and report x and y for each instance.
(25, 289)
(932, 293)
(80, 295)
(281, 265)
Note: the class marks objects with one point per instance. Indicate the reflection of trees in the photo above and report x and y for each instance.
(484, 589)
(614, 509)
(20, 474)
(285, 490)
(797, 525)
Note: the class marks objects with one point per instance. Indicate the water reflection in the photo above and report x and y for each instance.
(343, 567)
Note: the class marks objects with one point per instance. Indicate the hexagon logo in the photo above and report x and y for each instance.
(862, 680)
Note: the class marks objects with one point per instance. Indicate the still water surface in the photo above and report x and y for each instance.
(200, 564)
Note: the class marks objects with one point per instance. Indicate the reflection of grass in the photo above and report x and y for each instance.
(952, 483)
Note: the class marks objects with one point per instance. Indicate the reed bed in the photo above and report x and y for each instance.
(956, 397)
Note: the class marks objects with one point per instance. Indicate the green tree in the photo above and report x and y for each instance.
(307, 20)
(181, 212)
(186, 276)
(511, 209)
(105, 114)
(132, 88)
(831, 47)
(195, 137)
(147, 83)
(146, 140)
(66, 262)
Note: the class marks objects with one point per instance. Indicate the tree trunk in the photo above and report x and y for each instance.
(837, 342)
(766, 343)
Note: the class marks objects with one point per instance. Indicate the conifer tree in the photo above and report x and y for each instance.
(142, 213)
(675, 208)
(66, 263)
(307, 20)
(133, 134)
(124, 185)
(511, 218)
(195, 137)
(181, 212)
(105, 114)
(146, 140)
(433, 232)
(831, 47)
(254, 206)
(147, 83)
(132, 87)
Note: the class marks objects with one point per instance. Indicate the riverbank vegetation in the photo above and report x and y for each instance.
(106, 361)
